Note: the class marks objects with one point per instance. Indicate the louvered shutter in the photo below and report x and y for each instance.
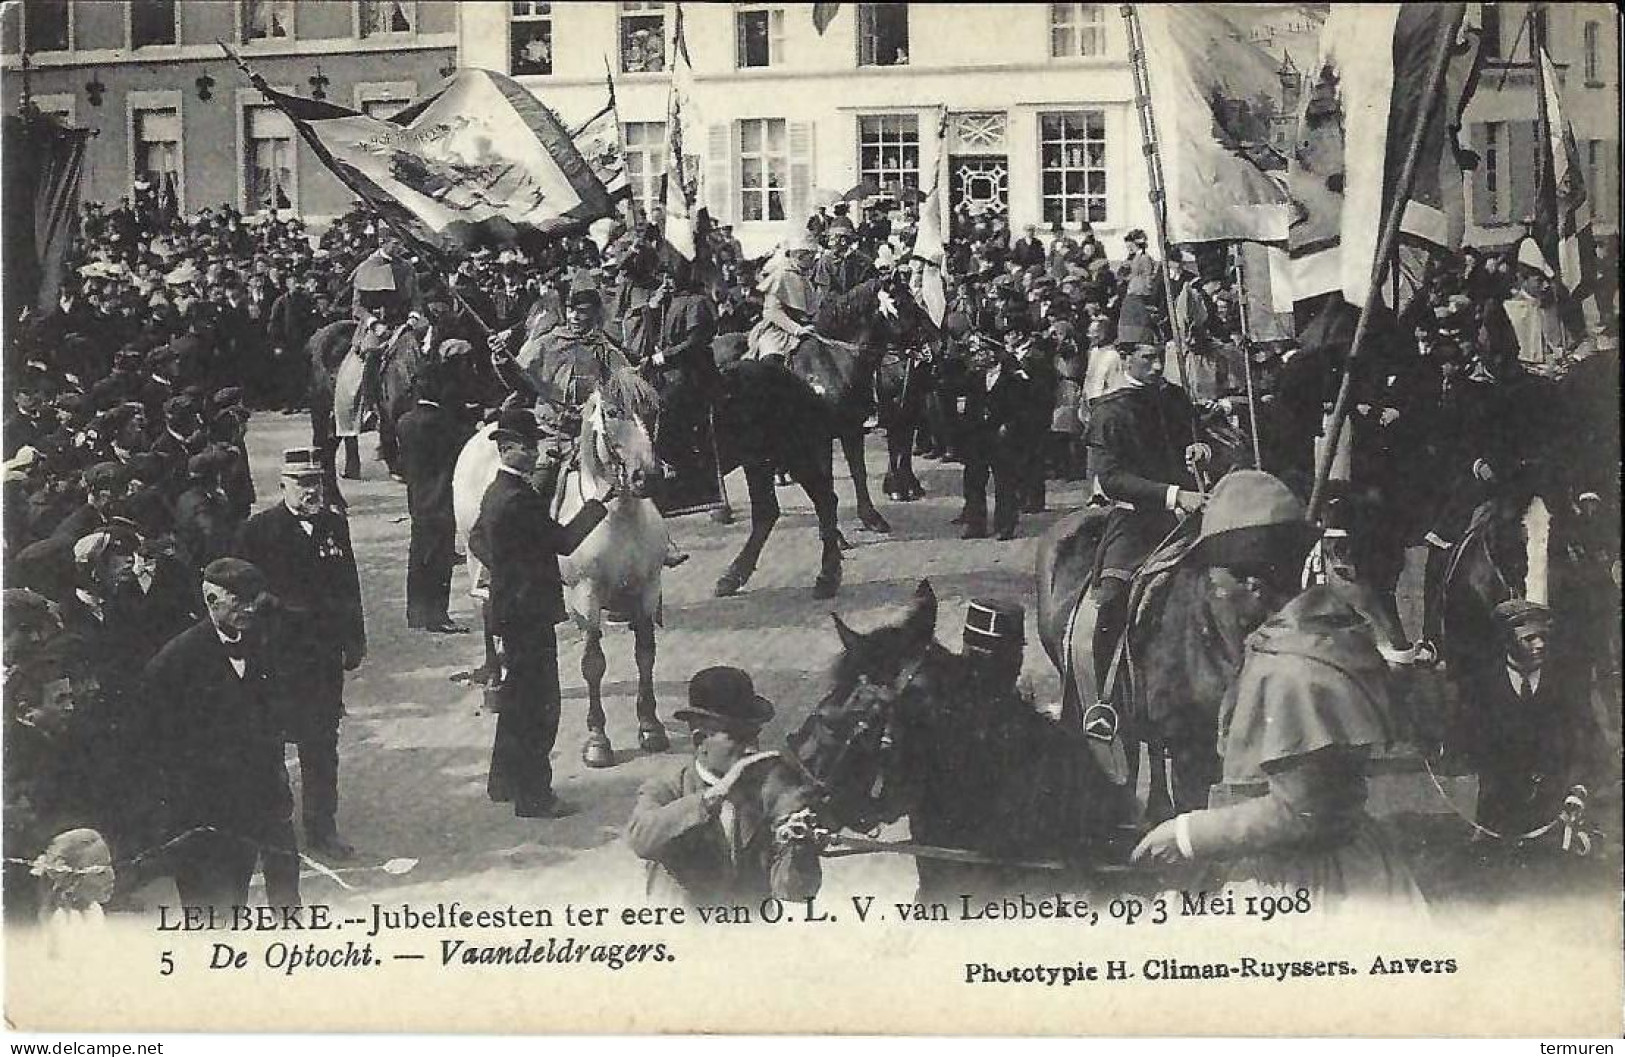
(801, 170)
(720, 157)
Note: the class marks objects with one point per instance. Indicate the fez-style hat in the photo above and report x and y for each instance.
(301, 462)
(517, 424)
(241, 578)
(993, 624)
(724, 696)
(1522, 612)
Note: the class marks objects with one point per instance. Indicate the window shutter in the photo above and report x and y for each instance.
(719, 159)
(801, 170)
(1480, 189)
(1520, 170)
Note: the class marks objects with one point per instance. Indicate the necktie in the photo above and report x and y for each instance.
(236, 649)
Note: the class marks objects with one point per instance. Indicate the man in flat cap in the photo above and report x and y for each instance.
(518, 541)
(220, 747)
(106, 484)
(701, 829)
(302, 545)
(1532, 733)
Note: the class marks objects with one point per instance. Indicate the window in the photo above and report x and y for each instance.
(882, 34)
(1072, 157)
(152, 22)
(1490, 42)
(383, 107)
(643, 37)
(1492, 169)
(384, 18)
(267, 19)
(268, 158)
(530, 39)
(157, 144)
(760, 34)
(1077, 30)
(645, 143)
(1592, 43)
(47, 25)
(764, 169)
(889, 149)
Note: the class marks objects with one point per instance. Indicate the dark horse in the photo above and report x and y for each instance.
(397, 373)
(974, 773)
(889, 375)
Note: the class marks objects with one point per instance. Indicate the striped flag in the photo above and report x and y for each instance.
(1562, 221)
(681, 222)
(1362, 103)
(929, 245)
(479, 157)
(1214, 94)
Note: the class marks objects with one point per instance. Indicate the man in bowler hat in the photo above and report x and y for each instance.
(704, 841)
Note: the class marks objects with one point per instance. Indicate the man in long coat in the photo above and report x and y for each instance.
(516, 538)
(302, 545)
(431, 437)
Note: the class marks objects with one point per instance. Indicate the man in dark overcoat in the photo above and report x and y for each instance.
(431, 437)
(220, 750)
(996, 403)
(302, 545)
(1141, 450)
(517, 539)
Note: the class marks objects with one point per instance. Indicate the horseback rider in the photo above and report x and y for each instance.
(845, 266)
(789, 301)
(681, 323)
(1141, 450)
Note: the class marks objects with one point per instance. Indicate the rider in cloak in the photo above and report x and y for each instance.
(789, 301)
(1296, 728)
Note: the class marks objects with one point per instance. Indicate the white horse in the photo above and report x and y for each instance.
(617, 567)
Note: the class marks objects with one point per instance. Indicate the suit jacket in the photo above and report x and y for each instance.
(1028, 252)
(1528, 752)
(220, 751)
(313, 577)
(520, 543)
(688, 856)
(990, 413)
(1137, 440)
(430, 439)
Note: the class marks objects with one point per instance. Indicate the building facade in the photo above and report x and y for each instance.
(168, 107)
(1034, 102)
(1583, 39)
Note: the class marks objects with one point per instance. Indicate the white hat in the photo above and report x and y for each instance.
(1529, 256)
(885, 257)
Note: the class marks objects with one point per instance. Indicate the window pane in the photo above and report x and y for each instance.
(152, 22)
(775, 136)
(750, 136)
(643, 43)
(775, 209)
(46, 25)
(532, 48)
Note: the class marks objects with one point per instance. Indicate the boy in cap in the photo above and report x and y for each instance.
(220, 747)
(702, 835)
(1530, 737)
(302, 546)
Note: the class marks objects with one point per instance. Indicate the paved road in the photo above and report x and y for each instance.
(415, 746)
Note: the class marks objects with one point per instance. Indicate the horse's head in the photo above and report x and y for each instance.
(860, 745)
(615, 443)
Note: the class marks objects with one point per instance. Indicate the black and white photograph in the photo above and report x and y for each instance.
(989, 519)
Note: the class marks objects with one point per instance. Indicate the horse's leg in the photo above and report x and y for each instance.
(764, 511)
(819, 485)
(852, 448)
(651, 735)
(596, 750)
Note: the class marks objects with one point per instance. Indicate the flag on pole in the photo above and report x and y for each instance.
(599, 141)
(1362, 103)
(1562, 220)
(1215, 97)
(681, 220)
(43, 164)
(929, 245)
(479, 156)
(823, 15)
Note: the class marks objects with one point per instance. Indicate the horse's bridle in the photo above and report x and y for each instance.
(881, 699)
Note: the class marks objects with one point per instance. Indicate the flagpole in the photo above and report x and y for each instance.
(1387, 247)
(1159, 198)
(1246, 351)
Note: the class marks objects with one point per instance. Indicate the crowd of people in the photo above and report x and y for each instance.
(136, 564)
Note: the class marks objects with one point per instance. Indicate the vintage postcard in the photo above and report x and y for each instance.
(883, 518)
